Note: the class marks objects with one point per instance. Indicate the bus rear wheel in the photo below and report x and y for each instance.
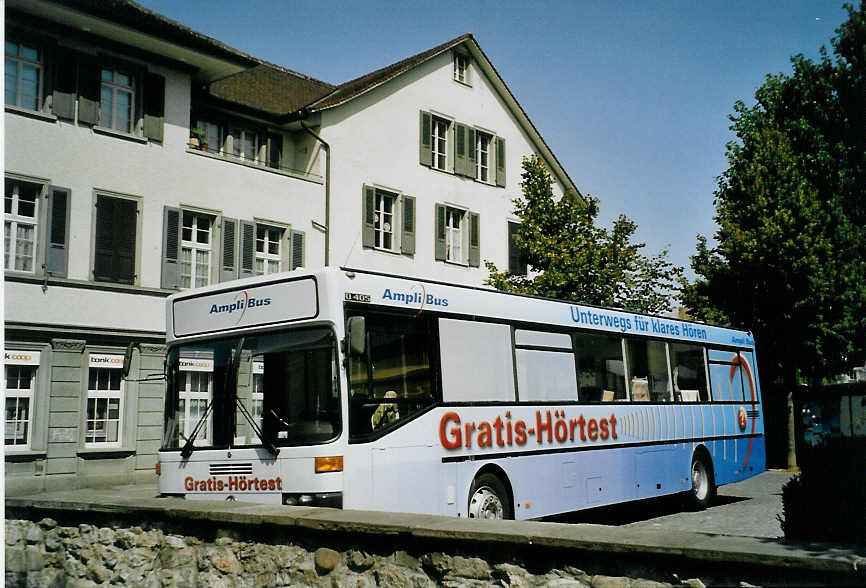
(488, 498)
(703, 485)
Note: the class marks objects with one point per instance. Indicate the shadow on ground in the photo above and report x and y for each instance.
(633, 512)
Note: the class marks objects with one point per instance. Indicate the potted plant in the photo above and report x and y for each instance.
(196, 138)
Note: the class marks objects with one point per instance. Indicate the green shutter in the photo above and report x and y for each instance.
(426, 139)
(171, 248)
(460, 166)
(407, 238)
(57, 241)
(471, 169)
(500, 162)
(440, 248)
(154, 106)
(228, 257)
(89, 88)
(474, 239)
(64, 84)
(247, 249)
(297, 250)
(368, 216)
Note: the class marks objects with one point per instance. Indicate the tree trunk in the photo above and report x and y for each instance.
(790, 385)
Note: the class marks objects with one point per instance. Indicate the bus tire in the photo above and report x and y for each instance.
(488, 498)
(703, 482)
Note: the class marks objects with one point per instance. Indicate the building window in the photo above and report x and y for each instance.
(440, 143)
(21, 206)
(517, 263)
(23, 73)
(20, 383)
(482, 156)
(454, 235)
(385, 231)
(244, 144)
(461, 68)
(268, 249)
(104, 400)
(115, 239)
(257, 398)
(195, 389)
(195, 249)
(116, 108)
(210, 135)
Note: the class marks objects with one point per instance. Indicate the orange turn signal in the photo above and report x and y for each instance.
(329, 464)
(158, 468)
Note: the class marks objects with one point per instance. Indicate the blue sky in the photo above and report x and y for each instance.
(633, 97)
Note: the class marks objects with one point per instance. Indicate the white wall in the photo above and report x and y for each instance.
(375, 140)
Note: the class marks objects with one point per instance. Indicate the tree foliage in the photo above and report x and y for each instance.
(571, 258)
(790, 259)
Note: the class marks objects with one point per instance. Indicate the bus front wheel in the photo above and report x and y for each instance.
(488, 498)
(703, 485)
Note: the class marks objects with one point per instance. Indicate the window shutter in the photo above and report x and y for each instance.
(275, 151)
(368, 220)
(516, 256)
(297, 249)
(63, 96)
(471, 166)
(57, 243)
(89, 88)
(170, 248)
(228, 250)
(114, 241)
(248, 249)
(154, 106)
(440, 249)
(407, 237)
(460, 150)
(500, 162)
(474, 239)
(426, 143)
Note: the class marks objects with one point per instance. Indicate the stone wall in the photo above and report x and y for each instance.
(48, 554)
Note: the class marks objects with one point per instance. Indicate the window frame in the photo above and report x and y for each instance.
(18, 394)
(107, 394)
(20, 63)
(380, 196)
(440, 129)
(115, 88)
(15, 219)
(195, 247)
(460, 69)
(488, 153)
(462, 231)
(187, 395)
(265, 256)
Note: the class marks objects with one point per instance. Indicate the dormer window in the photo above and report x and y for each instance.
(461, 68)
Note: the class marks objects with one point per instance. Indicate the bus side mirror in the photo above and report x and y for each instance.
(127, 360)
(357, 335)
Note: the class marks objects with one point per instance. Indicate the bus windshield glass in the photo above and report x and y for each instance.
(272, 389)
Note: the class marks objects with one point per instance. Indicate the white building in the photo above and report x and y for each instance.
(110, 206)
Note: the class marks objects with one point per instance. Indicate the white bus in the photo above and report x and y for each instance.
(351, 389)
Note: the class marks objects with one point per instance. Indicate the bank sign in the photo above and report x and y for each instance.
(261, 305)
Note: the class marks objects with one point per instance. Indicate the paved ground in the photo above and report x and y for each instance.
(744, 509)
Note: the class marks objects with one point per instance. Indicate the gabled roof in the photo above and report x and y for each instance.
(270, 89)
(354, 88)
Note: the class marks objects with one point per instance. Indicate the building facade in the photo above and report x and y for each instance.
(142, 157)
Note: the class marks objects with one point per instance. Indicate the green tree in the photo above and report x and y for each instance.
(573, 259)
(790, 259)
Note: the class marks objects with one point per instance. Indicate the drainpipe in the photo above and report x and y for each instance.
(327, 149)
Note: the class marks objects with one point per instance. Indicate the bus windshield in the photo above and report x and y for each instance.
(272, 389)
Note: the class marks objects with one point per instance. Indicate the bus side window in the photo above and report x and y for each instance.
(648, 370)
(688, 363)
(601, 374)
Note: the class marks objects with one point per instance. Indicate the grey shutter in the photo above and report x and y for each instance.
(516, 256)
(368, 216)
(154, 106)
(89, 88)
(171, 248)
(407, 237)
(440, 248)
(460, 146)
(474, 239)
(471, 167)
(114, 240)
(426, 142)
(229, 250)
(57, 242)
(500, 161)
(248, 249)
(63, 92)
(297, 249)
